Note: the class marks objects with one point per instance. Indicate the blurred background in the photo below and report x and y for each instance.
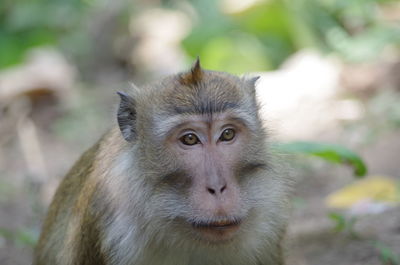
(330, 73)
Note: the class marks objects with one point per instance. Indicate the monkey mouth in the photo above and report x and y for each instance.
(217, 225)
(217, 231)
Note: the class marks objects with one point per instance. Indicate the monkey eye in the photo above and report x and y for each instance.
(227, 135)
(190, 139)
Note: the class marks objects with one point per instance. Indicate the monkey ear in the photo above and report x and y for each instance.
(252, 83)
(194, 76)
(254, 80)
(127, 116)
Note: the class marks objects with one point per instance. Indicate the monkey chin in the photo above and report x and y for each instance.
(219, 232)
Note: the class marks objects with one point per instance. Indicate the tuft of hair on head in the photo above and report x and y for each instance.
(194, 76)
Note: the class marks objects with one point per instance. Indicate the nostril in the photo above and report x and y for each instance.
(222, 189)
(212, 191)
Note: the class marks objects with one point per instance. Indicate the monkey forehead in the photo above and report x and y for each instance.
(216, 92)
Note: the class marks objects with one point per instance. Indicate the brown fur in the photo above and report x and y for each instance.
(128, 199)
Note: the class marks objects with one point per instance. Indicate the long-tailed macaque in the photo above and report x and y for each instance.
(185, 178)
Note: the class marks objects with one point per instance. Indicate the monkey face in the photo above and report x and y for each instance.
(215, 160)
(203, 142)
(209, 149)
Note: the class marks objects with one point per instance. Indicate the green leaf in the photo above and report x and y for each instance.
(330, 152)
(339, 220)
(386, 254)
(344, 224)
(236, 53)
(26, 237)
(21, 237)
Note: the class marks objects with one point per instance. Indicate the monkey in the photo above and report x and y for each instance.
(184, 177)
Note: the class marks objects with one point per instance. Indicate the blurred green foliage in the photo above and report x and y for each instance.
(21, 237)
(329, 152)
(344, 224)
(260, 37)
(382, 117)
(30, 23)
(264, 35)
(387, 255)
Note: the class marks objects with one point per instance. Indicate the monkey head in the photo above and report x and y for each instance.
(201, 158)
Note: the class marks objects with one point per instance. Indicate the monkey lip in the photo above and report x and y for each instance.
(217, 225)
(217, 231)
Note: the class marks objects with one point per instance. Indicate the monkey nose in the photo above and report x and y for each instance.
(215, 190)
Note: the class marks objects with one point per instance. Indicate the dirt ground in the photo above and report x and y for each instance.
(312, 239)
